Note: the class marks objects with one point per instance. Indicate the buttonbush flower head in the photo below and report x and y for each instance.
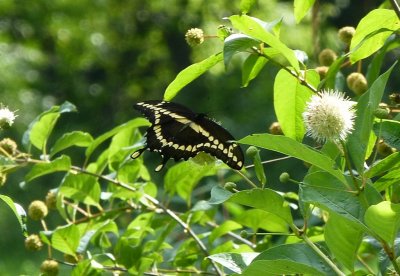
(7, 117)
(329, 116)
(194, 36)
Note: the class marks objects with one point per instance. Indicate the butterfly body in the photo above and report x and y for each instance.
(179, 133)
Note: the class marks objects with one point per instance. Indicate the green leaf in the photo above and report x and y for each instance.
(288, 259)
(330, 79)
(184, 176)
(62, 163)
(293, 148)
(384, 219)
(219, 195)
(237, 43)
(236, 262)
(327, 193)
(223, 229)
(266, 200)
(135, 123)
(259, 219)
(40, 128)
(66, 239)
(301, 7)
(254, 28)
(372, 32)
(389, 179)
(359, 139)
(189, 74)
(74, 138)
(389, 163)
(389, 131)
(251, 68)
(81, 187)
(245, 5)
(343, 239)
(290, 102)
(19, 212)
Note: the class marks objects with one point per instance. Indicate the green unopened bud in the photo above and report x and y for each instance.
(251, 151)
(49, 268)
(194, 36)
(72, 259)
(37, 210)
(275, 128)
(33, 243)
(327, 57)
(284, 177)
(230, 186)
(244, 234)
(322, 71)
(346, 34)
(51, 200)
(381, 113)
(357, 83)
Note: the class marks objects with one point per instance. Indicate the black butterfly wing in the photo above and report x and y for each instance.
(177, 132)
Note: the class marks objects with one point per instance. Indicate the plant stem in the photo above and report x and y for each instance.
(246, 179)
(162, 207)
(322, 255)
(396, 7)
(347, 159)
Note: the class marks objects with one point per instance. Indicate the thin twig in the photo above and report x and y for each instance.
(159, 205)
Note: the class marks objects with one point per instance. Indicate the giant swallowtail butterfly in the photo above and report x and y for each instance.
(179, 133)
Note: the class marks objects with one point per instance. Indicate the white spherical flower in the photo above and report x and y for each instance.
(329, 116)
(7, 117)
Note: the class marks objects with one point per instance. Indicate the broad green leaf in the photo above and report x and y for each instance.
(389, 163)
(254, 28)
(189, 74)
(266, 200)
(389, 179)
(288, 259)
(389, 131)
(87, 267)
(245, 5)
(236, 262)
(372, 32)
(184, 176)
(251, 68)
(293, 148)
(19, 212)
(40, 128)
(66, 239)
(237, 43)
(120, 147)
(290, 99)
(107, 226)
(260, 219)
(384, 220)
(301, 7)
(326, 192)
(62, 163)
(74, 138)
(223, 229)
(81, 187)
(359, 139)
(343, 239)
(219, 195)
(138, 122)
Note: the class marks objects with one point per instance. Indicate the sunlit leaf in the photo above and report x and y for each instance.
(251, 68)
(237, 43)
(359, 139)
(384, 220)
(62, 163)
(18, 211)
(301, 7)
(66, 239)
(81, 187)
(74, 138)
(290, 99)
(236, 262)
(372, 32)
(189, 74)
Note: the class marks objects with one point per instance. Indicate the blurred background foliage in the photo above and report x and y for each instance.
(105, 55)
